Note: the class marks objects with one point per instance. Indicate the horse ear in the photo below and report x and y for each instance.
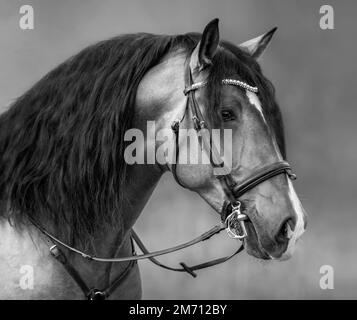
(257, 46)
(204, 52)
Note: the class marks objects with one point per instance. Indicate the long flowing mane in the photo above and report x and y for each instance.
(61, 143)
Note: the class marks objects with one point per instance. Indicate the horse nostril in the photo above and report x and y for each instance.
(286, 228)
(282, 235)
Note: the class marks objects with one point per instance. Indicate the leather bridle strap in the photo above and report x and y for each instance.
(89, 293)
(205, 236)
(262, 175)
(58, 254)
(184, 266)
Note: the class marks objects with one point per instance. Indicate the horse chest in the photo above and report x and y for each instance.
(27, 271)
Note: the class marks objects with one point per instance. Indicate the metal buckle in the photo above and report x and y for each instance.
(234, 223)
(96, 294)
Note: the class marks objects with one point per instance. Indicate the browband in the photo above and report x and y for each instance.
(232, 82)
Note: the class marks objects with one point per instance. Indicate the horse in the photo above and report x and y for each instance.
(66, 188)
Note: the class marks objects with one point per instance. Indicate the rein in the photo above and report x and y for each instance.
(232, 219)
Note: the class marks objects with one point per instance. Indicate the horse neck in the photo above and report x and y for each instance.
(141, 183)
(158, 100)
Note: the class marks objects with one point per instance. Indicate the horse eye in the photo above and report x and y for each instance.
(227, 115)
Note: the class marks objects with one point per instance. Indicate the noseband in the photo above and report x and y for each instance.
(232, 219)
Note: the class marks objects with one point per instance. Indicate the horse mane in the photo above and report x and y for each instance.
(62, 142)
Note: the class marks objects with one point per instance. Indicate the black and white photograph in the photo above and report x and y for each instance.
(178, 151)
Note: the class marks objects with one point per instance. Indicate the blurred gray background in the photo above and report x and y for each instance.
(314, 72)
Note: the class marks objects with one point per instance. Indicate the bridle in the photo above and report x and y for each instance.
(232, 219)
(231, 215)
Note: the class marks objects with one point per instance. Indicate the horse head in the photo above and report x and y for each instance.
(245, 108)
